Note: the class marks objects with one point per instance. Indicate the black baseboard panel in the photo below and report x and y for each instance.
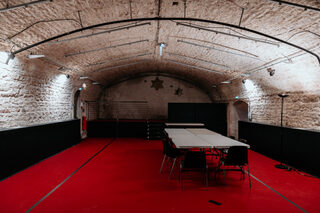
(300, 147)
(23, 147)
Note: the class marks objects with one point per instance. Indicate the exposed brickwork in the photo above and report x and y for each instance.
(33, 95)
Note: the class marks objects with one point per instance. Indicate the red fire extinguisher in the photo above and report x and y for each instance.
(84, 123)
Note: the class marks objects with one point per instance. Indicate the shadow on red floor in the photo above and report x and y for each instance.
(125, 178)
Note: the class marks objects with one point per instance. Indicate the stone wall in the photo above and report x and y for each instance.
(33, 93)
(139, 99)
(300, 110)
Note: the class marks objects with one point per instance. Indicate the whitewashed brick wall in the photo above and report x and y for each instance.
(33, 94)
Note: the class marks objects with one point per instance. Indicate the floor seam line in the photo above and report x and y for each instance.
(60, 184)
(278, 193)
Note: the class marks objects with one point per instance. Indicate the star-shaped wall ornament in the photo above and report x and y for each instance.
(157, 83)
(178, 92)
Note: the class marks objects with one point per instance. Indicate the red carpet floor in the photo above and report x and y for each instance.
(125, 177)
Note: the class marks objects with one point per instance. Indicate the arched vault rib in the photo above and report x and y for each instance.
(165, 19)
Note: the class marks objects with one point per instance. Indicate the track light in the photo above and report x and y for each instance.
(245, 74)
(271, 71)
(162, 45)
(32, 56)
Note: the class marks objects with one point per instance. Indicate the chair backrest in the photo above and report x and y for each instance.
(237, 155)
(195, 159)
(164, 145)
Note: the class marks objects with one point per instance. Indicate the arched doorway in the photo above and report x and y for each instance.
(237, 111)
(76, 105)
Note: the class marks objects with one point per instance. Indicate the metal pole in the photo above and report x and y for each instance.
(281, 165)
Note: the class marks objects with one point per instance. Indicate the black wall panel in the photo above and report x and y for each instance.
(22, 147)
(117, 128)
(181, 112)
(214, 116)
(300, 147)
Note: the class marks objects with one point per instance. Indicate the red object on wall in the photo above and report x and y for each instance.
(84, 123)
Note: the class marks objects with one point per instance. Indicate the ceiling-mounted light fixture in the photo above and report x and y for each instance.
(214, 86)
(271, 71)
(83, 77)
(95, 83)
(226, 82)
(162, 45)
(33, 56)
(245, 74)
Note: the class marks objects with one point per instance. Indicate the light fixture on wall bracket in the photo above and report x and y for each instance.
(271, 71)
(34, 56)
(5, 57)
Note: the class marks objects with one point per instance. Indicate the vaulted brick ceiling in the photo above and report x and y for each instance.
(205, 53)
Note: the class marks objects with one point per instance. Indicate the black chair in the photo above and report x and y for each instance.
(236, 156)
(169, 152)
(194, 160)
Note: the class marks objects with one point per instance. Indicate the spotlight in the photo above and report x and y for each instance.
(32, 56)
(271, 71)
(162, 45)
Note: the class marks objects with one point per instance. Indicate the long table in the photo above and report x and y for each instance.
(200, 138)
(184, 125)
